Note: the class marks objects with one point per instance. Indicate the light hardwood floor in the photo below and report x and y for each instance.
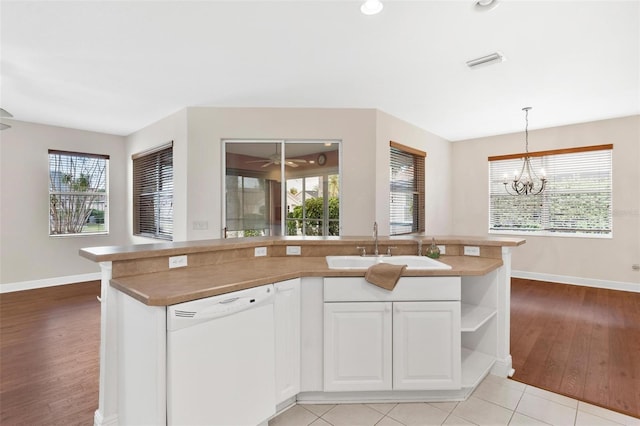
(580, 342)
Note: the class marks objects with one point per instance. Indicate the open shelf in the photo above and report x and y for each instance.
(475, 365)
(474, 316)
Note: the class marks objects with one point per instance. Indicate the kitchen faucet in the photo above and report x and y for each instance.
(375, 238)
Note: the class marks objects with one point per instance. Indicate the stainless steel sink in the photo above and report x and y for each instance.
(364, 262)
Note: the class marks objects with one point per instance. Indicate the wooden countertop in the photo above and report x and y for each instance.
(185, 284)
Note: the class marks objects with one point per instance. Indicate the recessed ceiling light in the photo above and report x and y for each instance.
(485, 60)
(484, 5)
(371, 7)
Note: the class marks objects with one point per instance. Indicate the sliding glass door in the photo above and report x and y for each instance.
(258, 204)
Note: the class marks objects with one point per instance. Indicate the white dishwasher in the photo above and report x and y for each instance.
(220, 359)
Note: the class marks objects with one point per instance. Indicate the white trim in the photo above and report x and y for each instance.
(587, 282)
(543, 233)
(502, 367)
(49, 282)
(98, 420)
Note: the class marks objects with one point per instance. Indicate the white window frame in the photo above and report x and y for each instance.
(282, 143)
(75, 166)
(567, 171)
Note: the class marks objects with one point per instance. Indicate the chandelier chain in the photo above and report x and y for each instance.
(526, 129)
(526, 182)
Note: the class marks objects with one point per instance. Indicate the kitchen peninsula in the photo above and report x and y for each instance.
(465, 310)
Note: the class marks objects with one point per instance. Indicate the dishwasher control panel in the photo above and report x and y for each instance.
(190, 313)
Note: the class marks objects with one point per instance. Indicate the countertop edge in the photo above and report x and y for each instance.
(177, 286)
(144, 251)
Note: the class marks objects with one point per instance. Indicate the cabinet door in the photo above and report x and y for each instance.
(357, 346)
(287, 336)
(426, 345)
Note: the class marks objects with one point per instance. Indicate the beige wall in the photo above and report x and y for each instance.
(209, 126)
(364, 133)
(172, 128)
(456, 177)
(27, 252)
(437, 175)
(584, 258)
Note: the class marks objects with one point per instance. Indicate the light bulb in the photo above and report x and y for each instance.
(371, 7)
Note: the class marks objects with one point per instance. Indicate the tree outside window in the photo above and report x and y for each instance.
(307, 211)
(78, 195)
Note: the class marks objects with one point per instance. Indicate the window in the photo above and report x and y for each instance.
(153, 193)
(407, 190)
(576, 202)
(281, 187)
(247, 203)
(78, 196)
(309, 211)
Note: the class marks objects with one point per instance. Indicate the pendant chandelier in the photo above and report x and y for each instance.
(526, 182)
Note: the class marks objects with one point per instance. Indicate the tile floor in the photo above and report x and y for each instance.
(497, 401)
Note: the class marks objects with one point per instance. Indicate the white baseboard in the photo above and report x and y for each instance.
(49, 282)
(587, 282)
(99, 420)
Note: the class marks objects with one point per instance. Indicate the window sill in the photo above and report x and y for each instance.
(84, 234)
(552, 234)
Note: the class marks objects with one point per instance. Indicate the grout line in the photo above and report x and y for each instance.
(309, 411)
(513, 413)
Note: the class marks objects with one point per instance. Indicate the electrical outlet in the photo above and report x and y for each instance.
(260, 251)
(200, 225)
(178, 261)
(443, 249)
(293, 250)
(471, 251)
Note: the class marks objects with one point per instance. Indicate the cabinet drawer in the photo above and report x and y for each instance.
(346, 289)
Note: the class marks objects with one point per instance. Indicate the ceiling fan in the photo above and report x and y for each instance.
(275, 158)
(4, 114)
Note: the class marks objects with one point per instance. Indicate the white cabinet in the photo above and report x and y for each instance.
(426, 345)
(357, 346)
(381, 340)
(479, 327)
(287, 339)
(311, 334)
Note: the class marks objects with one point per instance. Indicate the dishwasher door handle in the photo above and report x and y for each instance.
(226, 307)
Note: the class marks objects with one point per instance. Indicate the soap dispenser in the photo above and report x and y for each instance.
(433, 251)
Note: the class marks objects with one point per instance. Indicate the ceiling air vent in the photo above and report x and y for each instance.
(485, 60)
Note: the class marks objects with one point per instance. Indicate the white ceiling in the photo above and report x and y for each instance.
(116, 67)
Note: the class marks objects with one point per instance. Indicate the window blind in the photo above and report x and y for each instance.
(153, 193)
(78, 196)
(576, 201)
(407, 190)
